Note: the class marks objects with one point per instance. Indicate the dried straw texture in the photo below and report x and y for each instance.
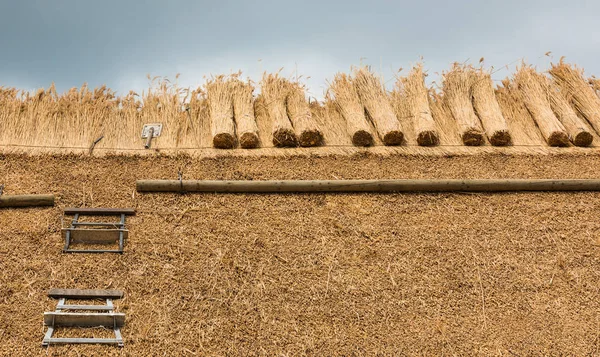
(578, 130)
(520, 123)
(220, 103)
(413, 88)
(298, 109)
(313, 274)
(458, 90)
(162, 103)
(535, 97)
(348, 104)
(488, 110)
(447, 126)
(571, 80)
(376, 102)
(275, 91)
(243, 109)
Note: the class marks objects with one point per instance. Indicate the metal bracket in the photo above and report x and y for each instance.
(157, 129)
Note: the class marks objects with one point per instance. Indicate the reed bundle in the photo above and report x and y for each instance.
(378, 107)
(243, 109)
(536, 99)
(274, 92)
(488, 110)
(520, 123)
(299, 113)
(578, 130)
(442, 116)
(220, 103)
(570, 79)
(414, 90)
(348, 104)
(458, 91)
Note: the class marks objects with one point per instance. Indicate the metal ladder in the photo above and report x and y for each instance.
(94, 316)
(96, 232)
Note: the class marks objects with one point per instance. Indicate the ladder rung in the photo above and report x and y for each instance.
(115, 224)
(65, 340)
(91, 251)
(85, 307)
(84, 319)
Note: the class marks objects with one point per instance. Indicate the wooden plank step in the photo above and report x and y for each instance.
(92, 251)
(85, 307)
(99, 211)
(94, 236)
(66, 340)
(84, 319)
(85, 294)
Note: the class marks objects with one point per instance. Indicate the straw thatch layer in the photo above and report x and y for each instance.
(377, 105)
(349, 105)
(536, 98)
(488, 110)
(458, 90)
(317, 274)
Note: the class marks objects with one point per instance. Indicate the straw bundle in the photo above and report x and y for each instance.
(458, 90)
(537, 102)
(243, 109)
(220, 103)
(571, 80)
(577, 129)
(524, 131)
(274, 91)
(376, 102)
(488, 110)
(306, 128)
(442, 115)
(348, 104)
(416, 95)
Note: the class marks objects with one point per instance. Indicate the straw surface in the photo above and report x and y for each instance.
(324, 275)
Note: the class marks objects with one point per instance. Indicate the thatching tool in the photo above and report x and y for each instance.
(94, 316)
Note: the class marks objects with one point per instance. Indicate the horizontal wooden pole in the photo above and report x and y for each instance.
(494, 185)
(26, 200)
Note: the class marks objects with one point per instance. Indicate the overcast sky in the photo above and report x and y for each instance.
(118, 42)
